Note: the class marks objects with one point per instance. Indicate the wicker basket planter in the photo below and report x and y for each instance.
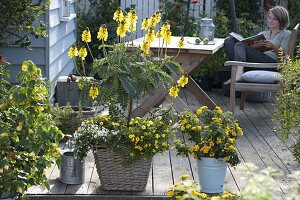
(114, 176)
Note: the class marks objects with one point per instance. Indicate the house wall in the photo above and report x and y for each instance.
(16, 55)
(62, 35)
(50, 53)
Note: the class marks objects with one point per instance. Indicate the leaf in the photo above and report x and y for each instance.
(128, 86)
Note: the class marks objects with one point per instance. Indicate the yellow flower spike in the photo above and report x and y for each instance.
(145, 47)
(183, 80)
(181, 42)
(102, 33)
(152, 21)
(149, 37)
(167, 36)
(73, 52)
(94, 92)
(118, 15)
(82, 53)
(132, 19)
(122, 28)
(157, 16)
(145, 24)
(86, 36)
(159, 34)
(174, 90)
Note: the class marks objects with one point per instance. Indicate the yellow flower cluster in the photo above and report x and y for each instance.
(217, 137)
(102, 33)
(94, 92)
(147, 136)
(125, 22)
(189, 189)
(181, 82)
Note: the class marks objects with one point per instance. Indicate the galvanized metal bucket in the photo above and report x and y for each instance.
(71, 169)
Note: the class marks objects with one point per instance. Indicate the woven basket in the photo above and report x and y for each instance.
(114, 176)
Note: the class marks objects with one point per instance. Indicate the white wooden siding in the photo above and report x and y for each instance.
(62, 35)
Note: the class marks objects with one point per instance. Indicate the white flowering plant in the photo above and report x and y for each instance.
(140, 138)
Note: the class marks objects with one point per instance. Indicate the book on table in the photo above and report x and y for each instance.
(250, 40)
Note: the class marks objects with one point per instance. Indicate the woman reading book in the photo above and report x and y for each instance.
(276, 37)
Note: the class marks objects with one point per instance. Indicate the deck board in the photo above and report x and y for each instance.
(260, 145)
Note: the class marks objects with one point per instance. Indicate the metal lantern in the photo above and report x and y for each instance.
(207, 29)
(66, 8)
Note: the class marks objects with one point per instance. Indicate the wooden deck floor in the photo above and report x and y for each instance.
(260, 145)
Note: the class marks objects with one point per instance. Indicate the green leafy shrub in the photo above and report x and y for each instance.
(28, 135)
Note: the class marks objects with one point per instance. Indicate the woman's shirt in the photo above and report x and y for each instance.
(281, 39)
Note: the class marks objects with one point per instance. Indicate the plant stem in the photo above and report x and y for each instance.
(129, 111)
(90, 51)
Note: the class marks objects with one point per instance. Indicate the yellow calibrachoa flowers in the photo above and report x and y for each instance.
(215, 140)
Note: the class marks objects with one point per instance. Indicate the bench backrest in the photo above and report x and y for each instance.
(292, 41)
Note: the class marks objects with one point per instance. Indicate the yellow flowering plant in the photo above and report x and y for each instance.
(127, 72)
(212, 133)
(188, 188)
(141, 138)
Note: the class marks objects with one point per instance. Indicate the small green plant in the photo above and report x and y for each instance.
(28, 135)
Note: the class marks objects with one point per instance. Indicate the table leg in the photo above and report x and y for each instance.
(194, 88)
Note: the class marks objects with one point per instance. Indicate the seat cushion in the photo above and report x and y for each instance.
(260, 76)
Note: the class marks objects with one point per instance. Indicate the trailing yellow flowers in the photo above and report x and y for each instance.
(174, 90)
(183, 81)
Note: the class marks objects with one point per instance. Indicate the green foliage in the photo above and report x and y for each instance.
(28, 135)
(177, 13)
(19, 19)
(98, 13)
(288, 102)
(242, 8)
(293, 8)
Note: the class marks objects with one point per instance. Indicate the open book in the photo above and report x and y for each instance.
(250, 40)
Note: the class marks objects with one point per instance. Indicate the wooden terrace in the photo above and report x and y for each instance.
(260, 145)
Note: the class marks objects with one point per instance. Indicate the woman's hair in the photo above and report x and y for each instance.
(282, 15)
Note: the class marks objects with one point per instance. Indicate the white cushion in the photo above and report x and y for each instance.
(260, 76)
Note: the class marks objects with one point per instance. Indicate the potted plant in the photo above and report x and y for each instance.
(187, 188)
(28, 135)
(212, 145)
(123, 76)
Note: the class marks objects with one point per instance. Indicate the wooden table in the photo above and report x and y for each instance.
(190, 57)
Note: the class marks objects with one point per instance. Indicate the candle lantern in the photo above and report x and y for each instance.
(207, 29)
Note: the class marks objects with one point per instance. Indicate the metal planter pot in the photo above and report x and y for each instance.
(71, 169)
